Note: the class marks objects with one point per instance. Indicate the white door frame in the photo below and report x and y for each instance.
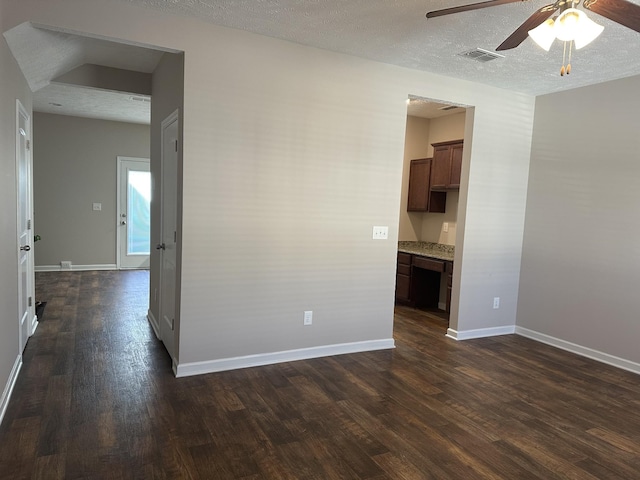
(119, 209)
(27, 321)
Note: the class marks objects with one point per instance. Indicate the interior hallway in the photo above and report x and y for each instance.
(96, 399)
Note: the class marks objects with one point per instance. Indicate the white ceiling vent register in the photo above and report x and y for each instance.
(481, 55)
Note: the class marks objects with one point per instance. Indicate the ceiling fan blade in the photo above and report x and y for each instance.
(522, 32)
(466, 8)
(621, 11)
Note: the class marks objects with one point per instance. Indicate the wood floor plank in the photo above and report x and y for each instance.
(96, 399)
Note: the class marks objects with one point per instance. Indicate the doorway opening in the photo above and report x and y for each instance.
(431, 183)
(79, 221)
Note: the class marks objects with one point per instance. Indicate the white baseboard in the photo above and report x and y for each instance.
(8, 388)
(154, 323)
(198, 368)
(442, 306)
(75, 268)
(480, 332)
(580, 350)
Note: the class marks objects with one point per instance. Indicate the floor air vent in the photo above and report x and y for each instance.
(481, 55)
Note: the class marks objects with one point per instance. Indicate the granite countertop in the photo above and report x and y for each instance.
(428, 249)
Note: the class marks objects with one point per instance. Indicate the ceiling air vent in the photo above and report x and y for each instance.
(481, 55)
(140, 99)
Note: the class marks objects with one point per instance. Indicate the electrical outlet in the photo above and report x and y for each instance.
(496, 302)
(308, 317)
(380, 233)
(65, 265)
(97, 207)
(445, 227)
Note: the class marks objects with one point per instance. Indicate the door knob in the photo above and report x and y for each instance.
(160, 246)
(25, 248)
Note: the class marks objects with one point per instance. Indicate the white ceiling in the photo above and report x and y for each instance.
(397, 32)
(426, 108)
(390, 31)
(76, 101)
(44, 54)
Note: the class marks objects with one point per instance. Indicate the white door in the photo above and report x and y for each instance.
(26, 308)
(134, 213)
(168, 240)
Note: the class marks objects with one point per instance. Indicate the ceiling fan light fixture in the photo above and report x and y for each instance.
(587, 33)
(568, 24)
(544, 34)
(573, 24)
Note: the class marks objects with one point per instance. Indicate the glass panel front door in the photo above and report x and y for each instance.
(134, 212)
(139, 212)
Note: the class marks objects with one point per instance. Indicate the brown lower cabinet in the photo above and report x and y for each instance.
(403, 278)
(418, 280)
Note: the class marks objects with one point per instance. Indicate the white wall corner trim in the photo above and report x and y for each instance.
(198, 368)
(154, 323)
(480, 332)
(76, 268)
(580, 350)
(8, 389)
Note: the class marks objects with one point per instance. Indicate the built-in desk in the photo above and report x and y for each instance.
(419, 273)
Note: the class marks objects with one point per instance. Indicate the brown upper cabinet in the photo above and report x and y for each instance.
(421, 197)
(446, 166)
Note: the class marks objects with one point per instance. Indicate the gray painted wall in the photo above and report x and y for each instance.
(581, 253)
(286, 171)
(108, 78)
(75, 165)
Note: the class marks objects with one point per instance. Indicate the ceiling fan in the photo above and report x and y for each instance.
(620, 11)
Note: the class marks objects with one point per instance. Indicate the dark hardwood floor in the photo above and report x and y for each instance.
(96, 399)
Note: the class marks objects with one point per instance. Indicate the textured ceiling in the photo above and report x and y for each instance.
(44, 54)
(389, 31)
(426, 108)
(397, 32)
(63, 99)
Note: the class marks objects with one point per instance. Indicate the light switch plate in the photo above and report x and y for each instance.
(308, 317)
(380, 233)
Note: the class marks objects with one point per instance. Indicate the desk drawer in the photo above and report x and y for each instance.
(404, 258)
(404, 269)
(428, 263)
